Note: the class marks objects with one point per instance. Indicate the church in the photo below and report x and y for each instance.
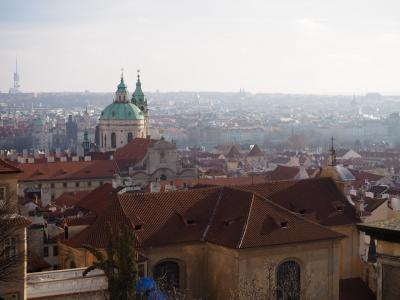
(125, 119)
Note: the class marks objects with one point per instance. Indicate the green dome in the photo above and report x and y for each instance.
(121, 111)
(38, 122)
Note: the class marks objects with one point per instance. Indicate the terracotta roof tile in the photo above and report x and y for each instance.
(68, 170)
(315, 196)
(70, 198)
(98, 200)
(231, 217)
(6, 168)
(282, 173)
(233, 153)
(255, 151)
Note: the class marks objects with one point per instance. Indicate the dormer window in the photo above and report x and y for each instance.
(190, 222)
(302, 211)
(138, 226)
(284, 224)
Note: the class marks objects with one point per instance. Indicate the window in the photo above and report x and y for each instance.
(39, 186)
(77, 184)
(2, 193)
(52, 198)
(52, 185)
(288, 281)
(55, 250)
(168, 273)
(130, 136)
(64, 184)
(46, 251)
(163, 177)
(10, 247)
(89, 184)
(113, 140)
(101, 182)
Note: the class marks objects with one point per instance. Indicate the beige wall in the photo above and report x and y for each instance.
(318, 260)
(192, 259)
(380, 213)
(350, 260)
(214, 271)
(222, 271)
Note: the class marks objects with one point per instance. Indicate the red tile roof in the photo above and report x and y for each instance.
(255, 151)
(317, 197)
(221, 215)
(233, 153)
(72, 170)
(133, 152)
(70, 198)
(362, 177)
(282, 173)
(7, 168)
(97, 200)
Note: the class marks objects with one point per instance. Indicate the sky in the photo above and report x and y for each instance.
(281, 46)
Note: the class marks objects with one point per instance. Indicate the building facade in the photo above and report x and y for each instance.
(125, 119)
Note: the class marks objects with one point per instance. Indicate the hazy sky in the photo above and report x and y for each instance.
(298, 46)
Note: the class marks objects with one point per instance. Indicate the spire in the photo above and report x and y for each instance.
(138, 97)
(122, 92)
(332, 158)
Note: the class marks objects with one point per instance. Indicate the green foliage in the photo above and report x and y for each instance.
(119, 264)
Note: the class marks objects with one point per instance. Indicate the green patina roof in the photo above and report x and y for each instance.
(38, 122)
(122, 85)
(138, 96)
(121, 111)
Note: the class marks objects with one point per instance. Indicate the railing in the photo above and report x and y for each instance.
(64, 282)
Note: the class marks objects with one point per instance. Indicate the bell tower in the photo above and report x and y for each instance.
(140, 100)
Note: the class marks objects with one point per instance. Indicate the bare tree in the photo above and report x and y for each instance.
(270, 289)
(12, 243)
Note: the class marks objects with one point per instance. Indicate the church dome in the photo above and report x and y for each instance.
(121, 111)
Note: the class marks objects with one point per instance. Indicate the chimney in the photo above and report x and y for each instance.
(36, 154)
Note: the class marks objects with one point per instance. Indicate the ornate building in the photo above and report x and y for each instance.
(125, 119)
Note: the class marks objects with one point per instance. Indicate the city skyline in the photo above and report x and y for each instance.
(344, 47)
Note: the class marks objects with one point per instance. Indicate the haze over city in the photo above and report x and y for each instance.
(311, 46)
(199, 150)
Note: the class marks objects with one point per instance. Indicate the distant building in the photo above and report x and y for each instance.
(125, 119)
(71, 133)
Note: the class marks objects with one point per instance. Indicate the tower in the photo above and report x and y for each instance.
(332, 156)
(16, 86)
(140, 100)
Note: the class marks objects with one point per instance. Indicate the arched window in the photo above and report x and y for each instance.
(288, 281)
(72, 265)
(113, 140)
(130, 136)
(105, 141)
(167, 272)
